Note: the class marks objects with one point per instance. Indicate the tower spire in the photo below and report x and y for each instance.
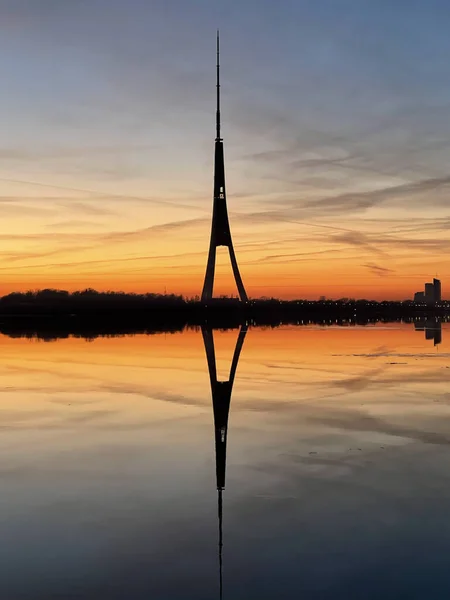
(218, 89)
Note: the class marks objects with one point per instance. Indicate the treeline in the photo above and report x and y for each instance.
(54, 298)
(119, 312)
(49, 300)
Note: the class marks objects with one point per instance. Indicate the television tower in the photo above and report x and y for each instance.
(220, 228)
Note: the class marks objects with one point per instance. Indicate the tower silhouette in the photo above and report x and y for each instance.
(220, 228)
(221, 397)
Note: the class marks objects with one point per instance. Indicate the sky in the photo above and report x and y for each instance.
(336, 125)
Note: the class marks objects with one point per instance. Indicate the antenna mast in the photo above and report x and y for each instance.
(218, 90)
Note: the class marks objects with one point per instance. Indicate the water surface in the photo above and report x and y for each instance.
(337, 466)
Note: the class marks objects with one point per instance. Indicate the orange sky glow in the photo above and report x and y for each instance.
(139, 246)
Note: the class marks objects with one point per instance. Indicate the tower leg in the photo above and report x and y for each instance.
(237, 275)
(207, 292)
(208, 340)
(237, 353)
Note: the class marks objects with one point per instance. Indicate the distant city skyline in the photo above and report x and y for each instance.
(431, 294)
(336, 116)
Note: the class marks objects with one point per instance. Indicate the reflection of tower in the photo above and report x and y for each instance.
(221, 396)
(220, 228)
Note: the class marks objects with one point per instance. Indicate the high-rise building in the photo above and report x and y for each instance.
(432, 293)
(429, 293)
(437, 290)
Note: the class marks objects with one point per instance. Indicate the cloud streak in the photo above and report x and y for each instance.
(379, 271)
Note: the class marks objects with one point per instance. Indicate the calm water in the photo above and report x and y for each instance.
(337, 471)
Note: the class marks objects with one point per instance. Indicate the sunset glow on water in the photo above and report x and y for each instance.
(337, 464)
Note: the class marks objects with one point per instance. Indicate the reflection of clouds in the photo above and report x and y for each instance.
(423, 376)
(360, 382)
(360, 515)
(145, 391)
(357, 421)
(119, 389)
(45, 419)
(319, 378)
(401, 355)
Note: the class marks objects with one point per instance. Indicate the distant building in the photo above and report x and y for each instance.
(432, 293)
(429, 293)
(437, 290)
(419, 297)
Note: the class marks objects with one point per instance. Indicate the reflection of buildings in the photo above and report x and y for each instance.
(221, 397)
(431, 294)
(432, 328)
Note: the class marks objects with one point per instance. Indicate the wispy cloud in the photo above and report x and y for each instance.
(16, 209)
(74, 224)
(63, 152)
(377, 270)
(360, 240)
(99, 194)
(87, 208)
(143, 233)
